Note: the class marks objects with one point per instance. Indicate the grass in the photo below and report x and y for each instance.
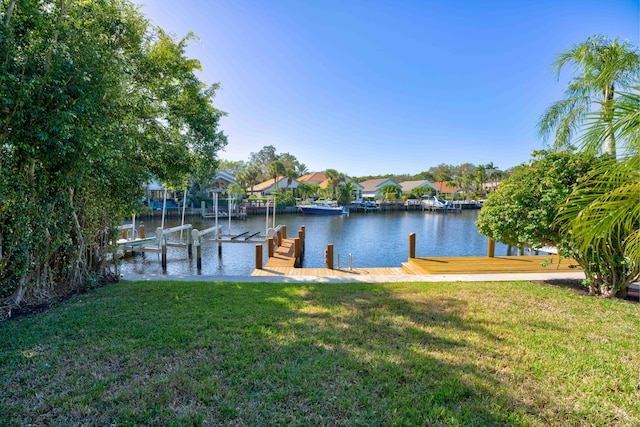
(324, 354)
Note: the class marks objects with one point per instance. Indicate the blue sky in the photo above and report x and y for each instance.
(377, 87)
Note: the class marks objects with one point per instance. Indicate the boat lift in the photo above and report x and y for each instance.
(160, 242)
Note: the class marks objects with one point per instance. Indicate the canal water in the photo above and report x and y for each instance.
(372, 239)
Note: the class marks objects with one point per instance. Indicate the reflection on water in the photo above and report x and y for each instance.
(374, 240)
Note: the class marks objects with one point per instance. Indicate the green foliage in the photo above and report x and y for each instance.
(603, 66)
(94, 102)
(521, 211)
(391, 191)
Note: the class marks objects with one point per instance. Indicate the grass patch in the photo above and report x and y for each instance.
(324, 354)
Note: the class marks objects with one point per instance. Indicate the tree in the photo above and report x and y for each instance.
(522, 210)
(419, 192)
(263, 158)
(335, 178)
(391, 190)
(95, 102)
(480, 179)
(603, 213)
(345, 193)
(291, 174)
(250, 175)
(276, 170)
(603, 66)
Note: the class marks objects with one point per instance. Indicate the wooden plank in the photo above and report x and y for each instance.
(480, 265)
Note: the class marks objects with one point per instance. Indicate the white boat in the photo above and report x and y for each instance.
(323, 207)
(435, 202)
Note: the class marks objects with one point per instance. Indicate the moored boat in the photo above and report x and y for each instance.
(435, 202)
(323, 207)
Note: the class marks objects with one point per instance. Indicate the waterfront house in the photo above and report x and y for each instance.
(320, 179)
(409, 186)
(221, 182)
(445, 189)
(371, 188)
(268, 186)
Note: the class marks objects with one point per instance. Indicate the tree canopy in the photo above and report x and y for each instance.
(95, 101)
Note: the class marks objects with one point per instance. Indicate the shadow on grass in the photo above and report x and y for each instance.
(255, 354)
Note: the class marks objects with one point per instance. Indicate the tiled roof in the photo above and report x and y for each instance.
(313, 178)
(443, 187)
(266, 184)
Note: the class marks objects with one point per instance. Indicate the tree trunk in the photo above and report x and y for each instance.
(607, 112)
(7, 18)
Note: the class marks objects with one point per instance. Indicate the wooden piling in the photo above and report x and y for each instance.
(328, 256)
(270, 245)
(284, 231)
(412, 245)
(258, 257)
(301, 237)
(141, 232)
(296, 247)
(491, 247)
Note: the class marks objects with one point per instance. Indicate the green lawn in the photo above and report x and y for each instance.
(324, 354)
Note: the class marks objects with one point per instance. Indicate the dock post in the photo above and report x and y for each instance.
(189, 244)
(141, 232)
(328, 257)
(270, 244)
(195, 236)
(163, 244)
(296, 251)
(412, 245)
(284, 231)
(296, 247)
(301, 237)
(491, 247)
(279, 237)
(218, 237)
(203, 208)
(258, 257)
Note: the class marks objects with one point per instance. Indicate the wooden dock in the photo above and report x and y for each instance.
(321, 272)
(429, 266)
(284, 256)
(487, 265)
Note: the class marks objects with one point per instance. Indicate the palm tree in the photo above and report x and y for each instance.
(291, 174)
(304, 189)
(481, 178)
(602, 66)
(346, 191)
(252, 174)
(301, 168)
(603, 212)
(276, 169)
(391, 189)
(334, 178)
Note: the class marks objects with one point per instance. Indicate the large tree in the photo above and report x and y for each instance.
(603, 214)
(95, 102)
(602, 66)
(522, 210)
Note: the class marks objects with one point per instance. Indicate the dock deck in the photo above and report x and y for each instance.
(430, 266)
(487, 265)
(284, 256)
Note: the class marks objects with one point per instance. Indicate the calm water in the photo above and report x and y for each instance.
(374, 240)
